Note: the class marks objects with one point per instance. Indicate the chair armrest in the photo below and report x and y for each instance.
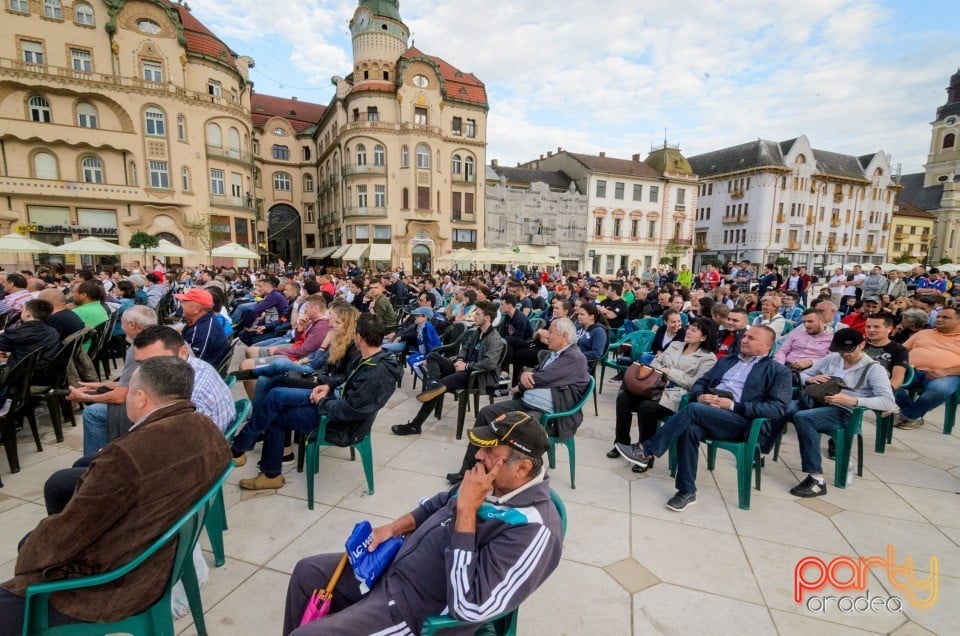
(755, 427)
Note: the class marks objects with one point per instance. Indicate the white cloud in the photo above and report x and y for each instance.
(591, 75)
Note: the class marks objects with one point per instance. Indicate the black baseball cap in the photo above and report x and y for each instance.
(846, 340)
(872, 299)
(515, 429)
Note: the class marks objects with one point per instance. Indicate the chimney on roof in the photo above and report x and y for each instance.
(186, 6)
(549, 153)
(493, 162)
(293, 99)
(603, 154)
(559, 149)
(541, 156)
(636, 157)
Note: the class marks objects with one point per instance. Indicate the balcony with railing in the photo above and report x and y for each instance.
(353, 170)
(248, 204)
(12, 68)
(859, 224)
(460, 177)
(735, 218)
(230, 154)
(832, 245)
(781, 217)
(374, 212)
(838, 197)
(810, 219)
(736, 194)
(793, 245)
(870, 248)
(835, 221)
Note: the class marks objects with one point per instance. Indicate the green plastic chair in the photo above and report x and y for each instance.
(157, 619)
(787, 328)
(752, 316)
(640, 342)
(318, 438)
(216, 520)
(462, 396)
(570, 444)
(646, 324)
(885, 423)
(746, 452)
(505, 624)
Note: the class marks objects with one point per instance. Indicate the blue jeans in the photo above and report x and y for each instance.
(241, 310)
(809, 425)
(272, 342)
(395, 347)
(282, 409)
(689, 426)
(274, 375)
(935, 392)
(94, 428)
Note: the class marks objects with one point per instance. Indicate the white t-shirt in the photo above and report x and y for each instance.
(850, 290)
(837, 291)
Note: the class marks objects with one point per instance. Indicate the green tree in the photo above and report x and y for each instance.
(206, 234)
(143, 241)
(945, 260)
(906, 257)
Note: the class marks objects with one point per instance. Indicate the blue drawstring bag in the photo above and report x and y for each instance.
(368, 566)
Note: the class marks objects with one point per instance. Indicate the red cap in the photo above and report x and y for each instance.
(200, 296)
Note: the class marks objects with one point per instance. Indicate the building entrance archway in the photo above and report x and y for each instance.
(284, 234)
(422, 259)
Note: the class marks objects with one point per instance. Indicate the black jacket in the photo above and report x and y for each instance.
(365, 390)
(28, 337)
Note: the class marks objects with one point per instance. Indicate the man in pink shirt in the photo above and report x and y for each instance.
(801, 348)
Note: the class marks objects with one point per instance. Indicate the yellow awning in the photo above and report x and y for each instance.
(322, 252)
(340, 251)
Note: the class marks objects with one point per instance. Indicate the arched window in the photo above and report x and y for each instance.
(457, 164)
(39, 109)
(52, 9)
(405, 199)
(307, 183)
(181, 128)
(92, 170)
(83, 13)
(404, 157)
(45, 166)
(86, 115)
(468, 169)
(233, 139)
(423, 156)
(185, 179)
(281, 181)
(280, 152)
(214, 135)
(155, 122)
(878, 172)
(949, 140)
(361, 155)
(801, 159)
(379, 155)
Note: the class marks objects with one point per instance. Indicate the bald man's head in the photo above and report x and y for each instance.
(54, 297)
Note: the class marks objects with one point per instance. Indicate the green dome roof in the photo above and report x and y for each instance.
(384, 8)
(668, 159)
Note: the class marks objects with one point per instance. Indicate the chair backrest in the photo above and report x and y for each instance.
(58, 366)
(641, 342)
(243, 408)
(561, 510)
(454, 332)
(17, 379)
(224, 365)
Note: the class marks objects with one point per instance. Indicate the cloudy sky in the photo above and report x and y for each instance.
(855, 76)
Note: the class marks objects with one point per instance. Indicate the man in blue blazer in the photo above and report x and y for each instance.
(723, 402)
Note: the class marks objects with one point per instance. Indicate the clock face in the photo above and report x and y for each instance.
(421, 81)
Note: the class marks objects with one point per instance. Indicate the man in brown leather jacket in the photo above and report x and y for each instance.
(133, 491)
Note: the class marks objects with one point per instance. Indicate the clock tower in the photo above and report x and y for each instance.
(379, 39)
(943, 162)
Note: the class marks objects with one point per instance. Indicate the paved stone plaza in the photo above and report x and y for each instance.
(630, 566)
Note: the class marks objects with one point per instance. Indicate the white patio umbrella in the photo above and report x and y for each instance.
(888, 266)
(91, 246)
(904, 267)
(166, 248)
(849, 266)
(233, 250)
(19, 243)
(950, 268)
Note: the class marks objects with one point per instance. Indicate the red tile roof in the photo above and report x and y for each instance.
(457, 84)
(383, 87)
(908, 209)
(612, 165)
(200, 39)
(301, 115)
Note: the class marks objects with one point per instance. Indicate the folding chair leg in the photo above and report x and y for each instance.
(192, 588)
(462, 405)
(572, 452)
(215, 523)
(366, 457)
(31, 416)
(56, 417)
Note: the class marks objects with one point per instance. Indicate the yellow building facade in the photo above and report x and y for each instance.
(121, 116)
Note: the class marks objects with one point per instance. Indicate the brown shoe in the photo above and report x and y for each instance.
(432, 390)
(262, 482)
(240, 461)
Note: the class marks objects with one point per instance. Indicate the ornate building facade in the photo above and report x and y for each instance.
(118, 116)
(399, 150)
(765, 200)
(536, 208)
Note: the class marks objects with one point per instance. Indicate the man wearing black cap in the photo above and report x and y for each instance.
(476, 551)
(867, 385)
(870, 306)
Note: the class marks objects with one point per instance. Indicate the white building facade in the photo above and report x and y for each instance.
(766, 200)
